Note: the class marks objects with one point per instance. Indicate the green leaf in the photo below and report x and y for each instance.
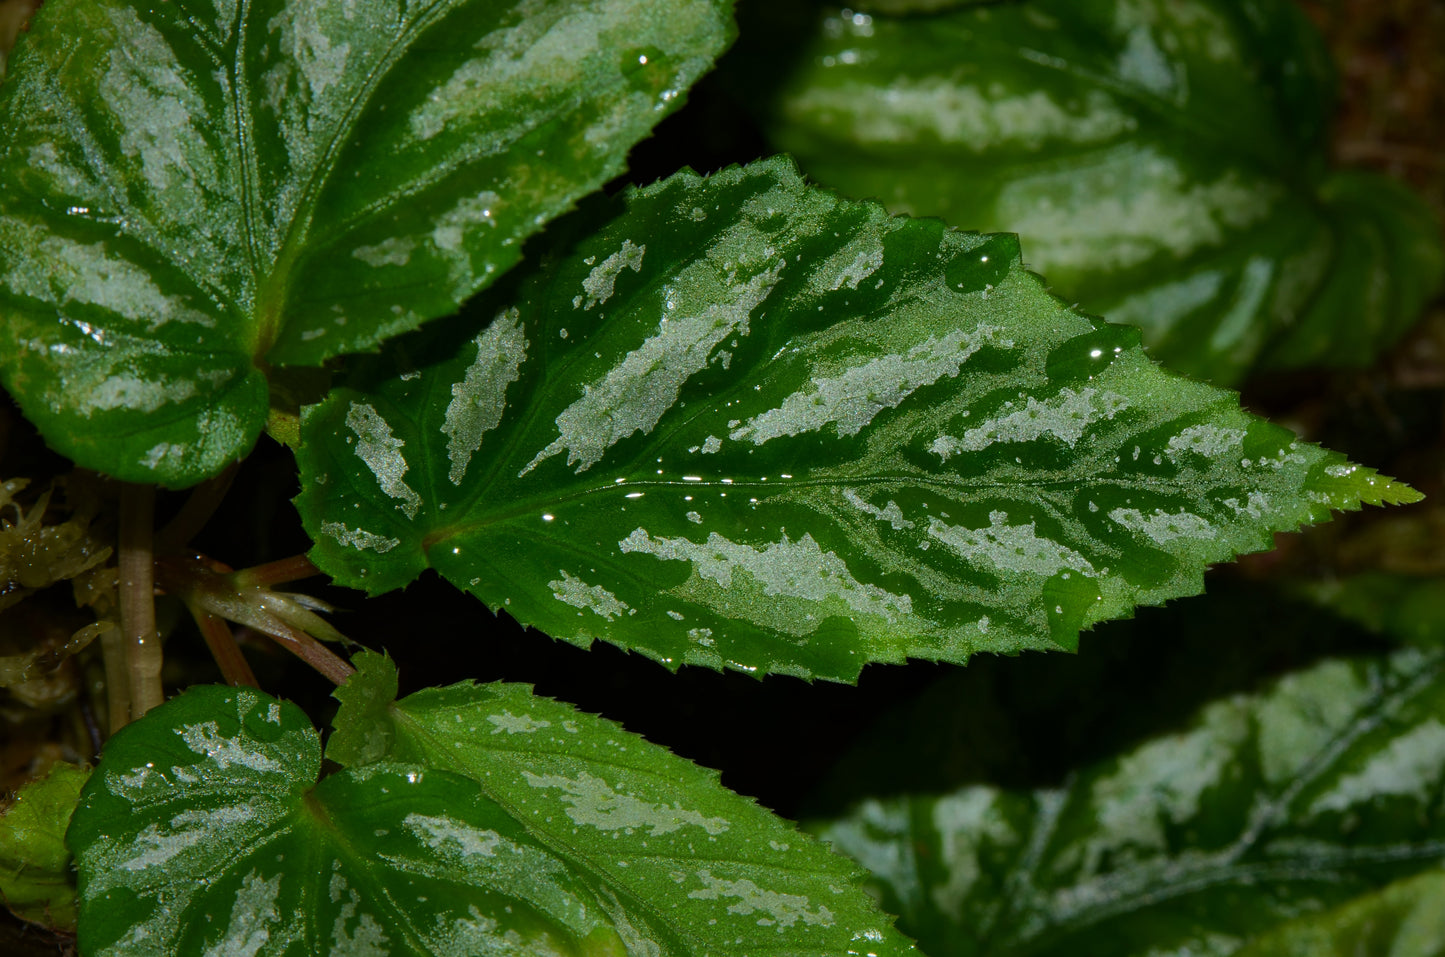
(36, 881)
(1299, 799)
(749, 424)
(693, 867)
(204, 830)
(1162, 160)
(198, 191)
(1406, 607)
(1406, 919)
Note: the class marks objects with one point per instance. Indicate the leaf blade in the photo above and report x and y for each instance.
(749, 424)
(707, 870)
(225, 190)
(1163, 163)
(1298, 798)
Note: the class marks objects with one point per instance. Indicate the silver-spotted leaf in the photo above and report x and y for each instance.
(1163, 162)
(204, 830)
(1291, 802)
(693, 868)
(36, 880)
(197, 192)
(749, 424)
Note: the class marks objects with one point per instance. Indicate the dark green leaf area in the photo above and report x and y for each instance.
(1163, 162)
(689, 867)
(204, 830)
(198, 192)
(1407, 608)
(1286, 803)
(36, 882)
(748, 424)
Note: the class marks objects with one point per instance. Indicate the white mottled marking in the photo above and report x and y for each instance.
(781, 909)
(890, 513)
(1015, 548)
(1162, 526)
(593, 802)
(577, 593)
(359, 538)
(1063, 417)
(798, 569)
(479, 400)
(635, 394)
(517, 723)
(381, 451)
(603, 278)
(851, 400)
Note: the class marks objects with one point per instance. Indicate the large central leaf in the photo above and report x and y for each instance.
(198, 191)
(749, 424)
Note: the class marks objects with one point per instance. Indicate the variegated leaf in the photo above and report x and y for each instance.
(750, 424)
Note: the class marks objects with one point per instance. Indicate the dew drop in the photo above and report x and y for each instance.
(1083, 357)
(982, 266)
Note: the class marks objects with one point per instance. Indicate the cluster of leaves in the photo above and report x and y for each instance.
(732, 420)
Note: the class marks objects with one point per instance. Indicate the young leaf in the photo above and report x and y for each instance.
(197, 191)
(749, 424)
(36, 882)
(1292, 801)
(1162, 161)
(690, 865)
(204, 830)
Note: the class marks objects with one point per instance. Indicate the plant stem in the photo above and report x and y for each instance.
(199, 508)
(311, 651)
(224, 649)
(137, 597)
(117, 683)
(276, 573)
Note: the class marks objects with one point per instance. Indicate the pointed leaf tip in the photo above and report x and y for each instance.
(746, 423)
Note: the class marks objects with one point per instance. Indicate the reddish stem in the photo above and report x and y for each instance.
(278, 572)
(188, 522)
(311, 651)
(224, 649)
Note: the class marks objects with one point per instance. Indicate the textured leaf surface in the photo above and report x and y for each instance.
(1162, 161)
(749, 424)
(199, 191)
(1297, 800)
(36, 882)
(692, 868)
(204, 830)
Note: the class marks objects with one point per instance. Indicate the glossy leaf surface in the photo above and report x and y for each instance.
(1289, 802)
(197, 192)
(204, 830)
(36, 881)
(749, 424)
(690, 867)
(1162, 160)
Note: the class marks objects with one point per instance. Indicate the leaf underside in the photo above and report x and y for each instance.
(1163, 162)
(748, 424)
(1276, 825)
(198, 192)
(204, 830)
